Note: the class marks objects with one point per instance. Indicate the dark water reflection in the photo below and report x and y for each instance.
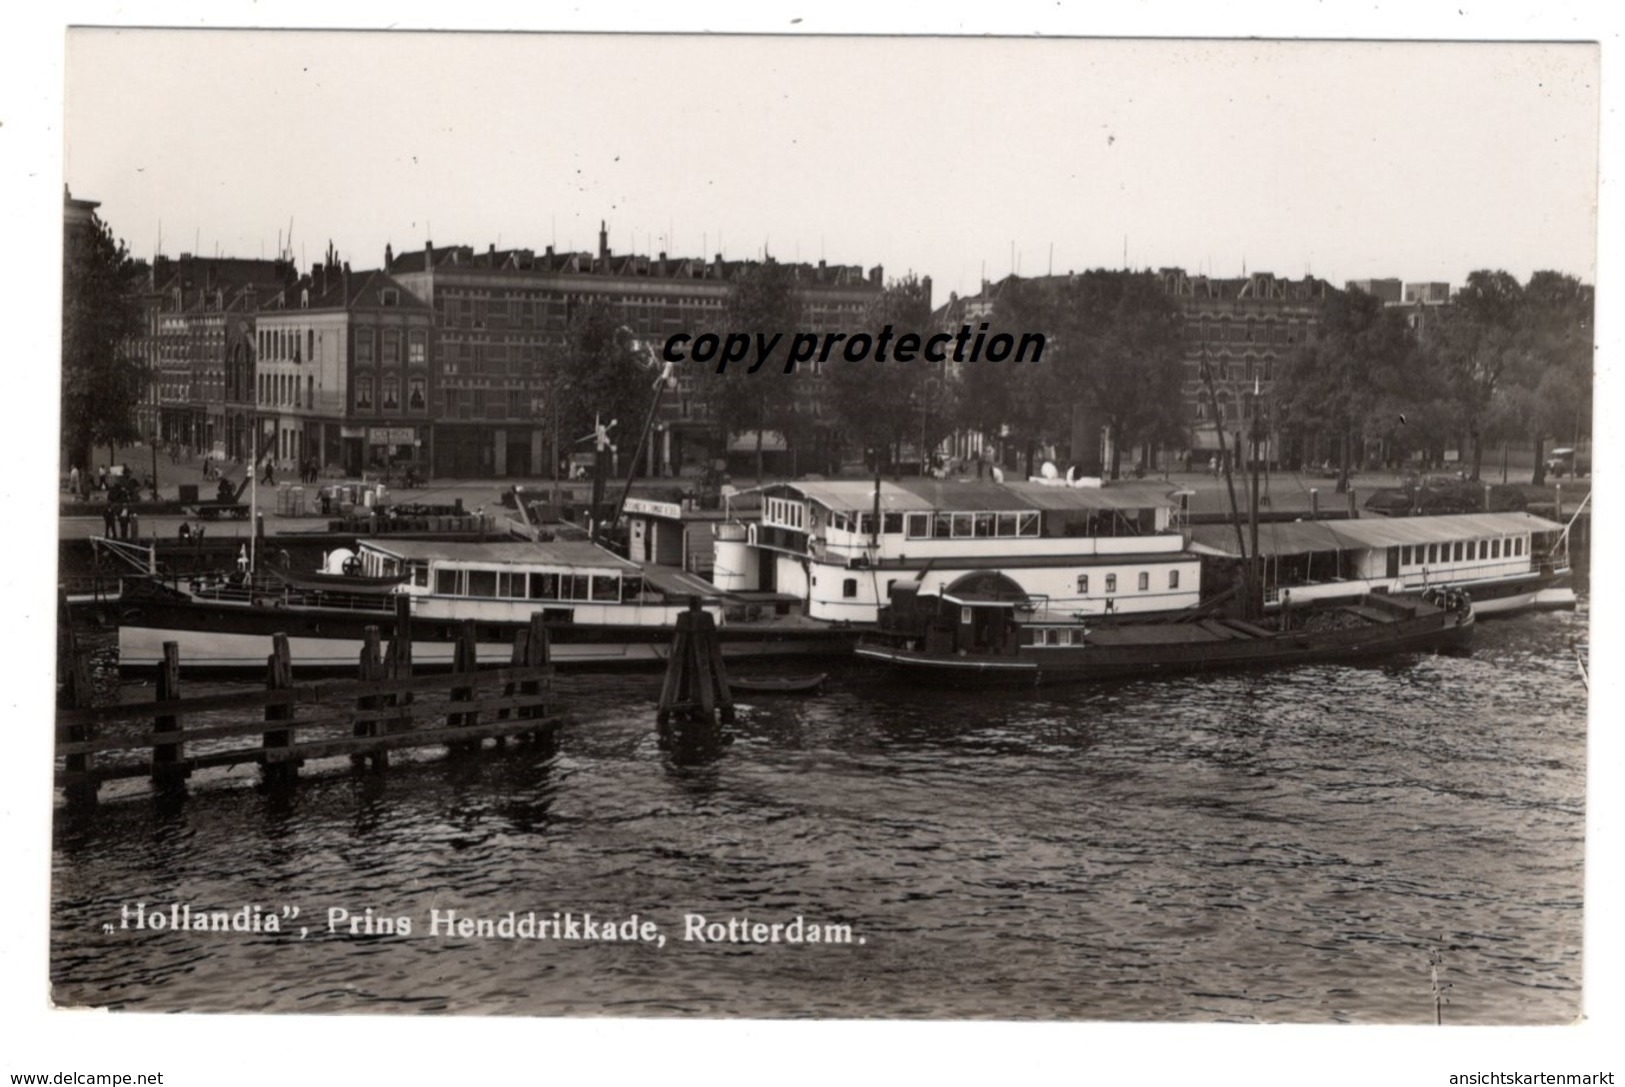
(1280, 846)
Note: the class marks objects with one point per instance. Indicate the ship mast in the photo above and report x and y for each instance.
(1230, 486)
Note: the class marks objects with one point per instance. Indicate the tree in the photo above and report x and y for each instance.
(1349, 380)
(882, 404)
(1120, 355)
(600, 376)
(763, 302)
(102, 378)
(1477, 343)
(1560, 311)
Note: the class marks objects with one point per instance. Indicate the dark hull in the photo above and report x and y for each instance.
(1067, 664)
(229, 638)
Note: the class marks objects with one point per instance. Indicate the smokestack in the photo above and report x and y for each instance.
(603, 242)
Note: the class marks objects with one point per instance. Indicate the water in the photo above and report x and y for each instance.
(1284, 846)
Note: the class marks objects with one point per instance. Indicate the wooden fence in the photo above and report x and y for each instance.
(385, 708)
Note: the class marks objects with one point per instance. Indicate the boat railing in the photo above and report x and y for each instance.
(276, 597)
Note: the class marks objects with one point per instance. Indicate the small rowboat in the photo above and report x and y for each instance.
(777, 684)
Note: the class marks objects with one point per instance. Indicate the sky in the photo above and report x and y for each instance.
(953, 158)
(940, 155)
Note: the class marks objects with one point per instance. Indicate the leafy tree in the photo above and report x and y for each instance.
(102, 378)
(881, 405)
(1121, 355)
(600, 376)
(1349, 380)
(1479, 344)
(763, 301)
(1560, 311)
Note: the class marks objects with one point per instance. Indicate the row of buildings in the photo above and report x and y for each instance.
(435, 356)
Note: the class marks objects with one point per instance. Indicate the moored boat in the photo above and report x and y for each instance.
(994, 633)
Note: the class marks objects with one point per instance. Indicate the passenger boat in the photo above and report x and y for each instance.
(836, 548)
(1507, 562)
(601, 610)
(985, 629)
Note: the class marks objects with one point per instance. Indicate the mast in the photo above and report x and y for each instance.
(1229, 480)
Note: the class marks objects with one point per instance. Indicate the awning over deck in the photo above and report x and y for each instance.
(1367, 533)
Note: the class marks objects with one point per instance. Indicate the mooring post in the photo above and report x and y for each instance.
(278, 677)
(74, 692)
(465, 661)
(538, 654)
(371, 671)
(671, 688)
(719, 672)
(401, 667)
(166, 773)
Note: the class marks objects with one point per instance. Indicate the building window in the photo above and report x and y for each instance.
(1111, 583)
(310, 341)
(392, 393)
(417, 348)
(363, 392)
(392, 345)
(417, 394)
(1145, 580)
(1083, 584)
(363, 346)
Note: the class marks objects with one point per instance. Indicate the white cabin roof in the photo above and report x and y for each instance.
(578, 553)
(1300, 537)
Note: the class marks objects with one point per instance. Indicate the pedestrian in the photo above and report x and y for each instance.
(242, 559)
(135, 524)
(269, 476)
(1213, 464)
(124, 522)
(73, 481)
(101, 478)
(109, 522)
(185, 532)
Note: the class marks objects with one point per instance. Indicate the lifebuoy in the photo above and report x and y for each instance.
(352, 566)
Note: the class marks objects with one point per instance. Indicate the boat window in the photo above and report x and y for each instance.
(579, 586)
(1173, 579)
(631, 589)
(866, 523)
(919, 525)
(1052, 636)
(505, 583)
(1405, 555)
(1457, 551)
(964, 524)
(1007, 524)
(1027, 524)
(1145, 580)
(482, 583)
(445, 582)
(984, 524)
(1495, 549)
(420, 575)
(1433, 554)
(544, 586)
(1517, 546)
(1111, 583)
(942, 526)
(1083, 584)
(1029, 637)
(849, 587)
(891, 523)
(606, 587)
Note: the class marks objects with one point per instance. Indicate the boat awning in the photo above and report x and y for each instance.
(1365, 533)
(967, 496)
(553, 553)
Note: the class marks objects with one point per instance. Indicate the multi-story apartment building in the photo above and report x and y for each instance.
(343, 374)
(197, 309)
(497, 312)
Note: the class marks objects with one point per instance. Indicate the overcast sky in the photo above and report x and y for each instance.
(945, 157)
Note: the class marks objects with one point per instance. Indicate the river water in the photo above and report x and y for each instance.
(1302, 845)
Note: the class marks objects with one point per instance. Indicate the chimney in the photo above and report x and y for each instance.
(603, 242)
(660, 268)
(550, 251)
(493, 254)
(428, 254)
(389, 257)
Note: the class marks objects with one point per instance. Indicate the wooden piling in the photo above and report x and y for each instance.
(695, 690)
(465, 662)
(74, 691)
(278, 676)
(371, 670)
(166, 773)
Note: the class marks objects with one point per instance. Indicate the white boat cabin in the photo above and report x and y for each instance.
(569, 581)
(1086, 550)
(1487, 554)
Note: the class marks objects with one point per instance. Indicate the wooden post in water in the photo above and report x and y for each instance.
(278, 677)
(371, 671)
(538, 654)
(166, 775)
(401, 666)
(465, 661)
(695, 694)
(73, 692)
